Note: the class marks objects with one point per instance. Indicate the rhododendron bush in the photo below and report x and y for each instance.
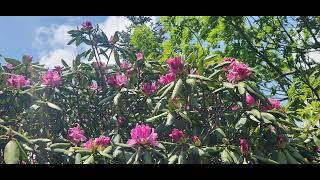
(184, 110)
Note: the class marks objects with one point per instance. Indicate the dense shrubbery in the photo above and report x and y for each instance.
(143, 111)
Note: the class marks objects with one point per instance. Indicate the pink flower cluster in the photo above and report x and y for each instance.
(125, 65)
(100, 142)
(94, 86)
(87, 25)
(76, 135)
(177, 136)
(149, 89)
(142, 135)
(275, 104)
(52, 79)
(196, 141)
(28, 58)
(99, 64)
(237, 71)
(175, 65)
(250, 100)
(166, 79)
(244, 147)
(139, 56)
(18, 81)
(10, 66)
(118, 80)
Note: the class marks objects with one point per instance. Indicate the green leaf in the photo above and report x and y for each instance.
(105, 155)
(254, 118)
(316, 140)
(199, 77)
(242, 88)
(23, 154)
(147, 158)
(167, 90)
(241, 122)
(90, 160)
(182, 158)
(59, 145)
(220, 131)
(177, 88)
(152, 119)
(265, 160)
(200, 66)
(53, 106)
(291, 159)
(185, 117)
(11, 152)
(267, 117)
(78, 159)
(91, 56)
(228, 85)
(12, 61)
(281, 157)
(117, 99)
(116, 57)
(170, 119)
(173, 159)
(256, 113)
(64, 63)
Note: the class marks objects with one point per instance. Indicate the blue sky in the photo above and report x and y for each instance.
(45, 37)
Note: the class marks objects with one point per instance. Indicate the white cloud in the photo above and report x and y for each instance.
(52, 41)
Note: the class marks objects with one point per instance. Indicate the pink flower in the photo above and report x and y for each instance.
(51, 79)
(125, 65)
(94, 86)
(250, 100)
(273, 129)
(10, 66)
(177, 136)
(244, 147)
(99, 64)
(28, 58)
(18, 81)
(118, 80)
(237, 71)
(139, 56)
(166, 79)
(76, 135)
(318, 149)
(111, 39)
(235, 107)
(196, 141)
(275, 104)
(229, 59)
(149, 89)
(87, 25)
(143, 134)
(175, 65)
(58, 69)
(89, 144)
(102, 141)
(121, 120)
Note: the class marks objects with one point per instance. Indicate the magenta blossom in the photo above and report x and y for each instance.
(102, 141)
(235, 108)
(89, 144)
(196, 141)
(76, 135)
(166, 79)
(18, 81)
(149, 89)
(318, 149)
(139, 56)
(177, 136)
(87, 25)
(250, 100)
(58, 69)
(244, 147)
(125, 65)
(118, 80)
(28, 58)
(237, 71)
(175, 65)
(99, 64)
(10, 66)
(275, 104)
(52, 79)
(143, 134)
(94, 86)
